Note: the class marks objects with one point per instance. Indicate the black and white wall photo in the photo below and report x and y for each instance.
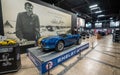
(24, 20)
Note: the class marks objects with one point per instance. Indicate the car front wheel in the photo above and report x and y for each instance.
(59, 46)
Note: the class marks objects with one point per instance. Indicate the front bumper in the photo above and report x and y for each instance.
(47, 47)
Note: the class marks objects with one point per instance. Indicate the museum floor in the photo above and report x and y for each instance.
(103, 59)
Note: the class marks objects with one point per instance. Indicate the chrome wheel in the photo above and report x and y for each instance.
(79, 41)
(60, 46)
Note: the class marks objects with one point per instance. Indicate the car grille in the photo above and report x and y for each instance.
(42, 44)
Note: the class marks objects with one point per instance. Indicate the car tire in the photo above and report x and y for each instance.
(42, 49)
(60, 46)
(79, 41)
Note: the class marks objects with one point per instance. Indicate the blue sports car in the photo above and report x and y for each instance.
(60, 41)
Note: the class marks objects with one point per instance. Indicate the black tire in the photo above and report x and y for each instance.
(42, 49)
(60, 46)
(83, 37)
(79, 41)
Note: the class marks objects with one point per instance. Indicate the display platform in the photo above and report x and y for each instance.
(46, 61)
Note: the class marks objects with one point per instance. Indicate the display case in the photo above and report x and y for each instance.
(9, 58)
(116, 36)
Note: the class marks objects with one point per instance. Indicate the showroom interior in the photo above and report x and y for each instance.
(59, 37)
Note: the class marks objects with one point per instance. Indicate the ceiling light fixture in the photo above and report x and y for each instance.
(98, 12)
(92, 6)
(100, 15)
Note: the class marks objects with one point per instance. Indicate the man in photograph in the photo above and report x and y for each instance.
(27, 24)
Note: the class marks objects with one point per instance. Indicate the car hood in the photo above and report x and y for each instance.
(51, 39)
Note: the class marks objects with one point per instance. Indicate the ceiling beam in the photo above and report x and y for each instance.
(87, 2)
(80, 6)
(108, 1)
(59, 1)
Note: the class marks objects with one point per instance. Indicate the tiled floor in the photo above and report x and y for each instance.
(103, 59)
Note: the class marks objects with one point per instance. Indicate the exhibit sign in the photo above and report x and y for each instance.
(80, 22)
(23, 19)
(98, 25)
(44, 66)
(88, 25)
(114, 23)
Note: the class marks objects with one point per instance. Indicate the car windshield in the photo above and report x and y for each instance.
(63, 32)
(54, 31)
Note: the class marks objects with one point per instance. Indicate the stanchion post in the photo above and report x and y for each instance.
(92, 44)
(79, 56)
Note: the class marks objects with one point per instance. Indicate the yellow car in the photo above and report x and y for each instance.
(7, 42)
(11, 42)
(3, 43)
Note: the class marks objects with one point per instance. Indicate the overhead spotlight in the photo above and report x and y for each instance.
(98, 12)
(100, 15)
(92, 6)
